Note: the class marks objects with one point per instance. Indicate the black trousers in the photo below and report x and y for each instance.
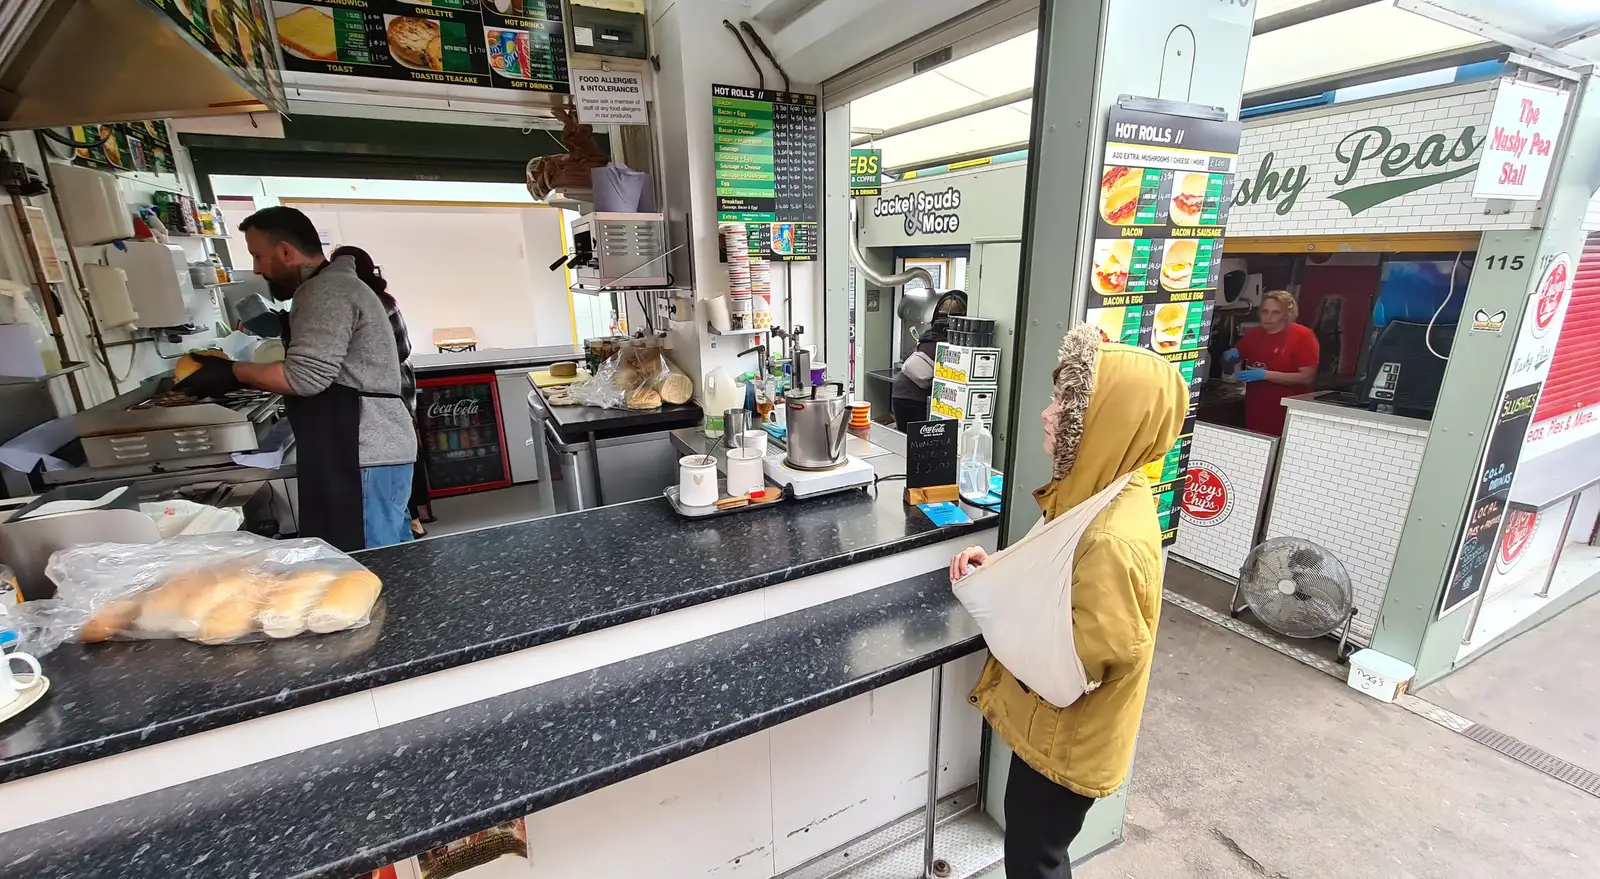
(908, 411)
(1042, 819)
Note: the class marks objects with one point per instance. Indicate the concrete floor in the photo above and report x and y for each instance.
(1519, 688)
(486, 509)
(1251, 764)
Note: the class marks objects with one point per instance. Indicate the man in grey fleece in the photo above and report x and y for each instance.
(341, 380)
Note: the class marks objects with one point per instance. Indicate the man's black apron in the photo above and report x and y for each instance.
(327, 436)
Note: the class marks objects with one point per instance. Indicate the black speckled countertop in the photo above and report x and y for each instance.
(449, 601)
(343, 809)
(575, 423)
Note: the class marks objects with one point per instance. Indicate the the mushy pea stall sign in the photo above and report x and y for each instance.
(1404, 166)
(1165, 188)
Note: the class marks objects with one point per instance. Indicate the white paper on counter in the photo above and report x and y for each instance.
(30, 447)
(59, 508)
(270, 458)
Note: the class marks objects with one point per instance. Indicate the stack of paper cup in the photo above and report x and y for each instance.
(736, 243)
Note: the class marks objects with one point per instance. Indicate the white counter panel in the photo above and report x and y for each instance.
(1225, 498)
(1344, 482)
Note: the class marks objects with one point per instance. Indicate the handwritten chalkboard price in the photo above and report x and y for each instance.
(931, 450)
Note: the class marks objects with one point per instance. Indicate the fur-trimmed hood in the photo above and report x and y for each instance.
(1121, 409)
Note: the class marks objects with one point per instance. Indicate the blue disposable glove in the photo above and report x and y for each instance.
(1231, 356)
(1251, 375)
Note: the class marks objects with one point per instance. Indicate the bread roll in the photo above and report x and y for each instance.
(348, 600)
(225, 584)
(112, 620)
(162, 613)
(677, 389)
(564, 369)
(284, 613)
(232, 618)
(643, 398)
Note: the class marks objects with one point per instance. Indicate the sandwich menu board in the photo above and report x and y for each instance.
(769, 162)
(236, 33)
(510, 44)
(1165, 187)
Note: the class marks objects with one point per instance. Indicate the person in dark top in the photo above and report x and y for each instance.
(913, 384)
(371, 275)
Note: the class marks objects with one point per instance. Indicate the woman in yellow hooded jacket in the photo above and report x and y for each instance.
(1114, 410)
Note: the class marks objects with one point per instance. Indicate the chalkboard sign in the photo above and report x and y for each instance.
(931, 451)
(1493, 494)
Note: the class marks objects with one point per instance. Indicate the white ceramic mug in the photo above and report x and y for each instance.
(754, 439)
(745, 471)
(11, 685)
(697, 481)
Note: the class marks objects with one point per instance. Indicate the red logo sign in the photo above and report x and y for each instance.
(1520, 525)
(1552, 290)
(1205, 495)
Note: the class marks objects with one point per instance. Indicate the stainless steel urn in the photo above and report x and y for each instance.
(816, 418)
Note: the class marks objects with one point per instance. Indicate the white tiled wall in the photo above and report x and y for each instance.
(1345, 484)
(1311, 139)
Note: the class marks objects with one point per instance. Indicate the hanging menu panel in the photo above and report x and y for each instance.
(513, 44)
(1165, 187)
(769, 166)
(236, 32)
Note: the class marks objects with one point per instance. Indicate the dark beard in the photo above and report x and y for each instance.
(281, 291)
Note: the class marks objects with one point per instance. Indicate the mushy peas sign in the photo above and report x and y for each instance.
(1404, 167)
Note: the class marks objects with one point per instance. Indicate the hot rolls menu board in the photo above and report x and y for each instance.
(236, 32)
(769, 163)
(1165, 187)
(511, 44)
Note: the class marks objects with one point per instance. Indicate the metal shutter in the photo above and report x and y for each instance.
(1574, 381)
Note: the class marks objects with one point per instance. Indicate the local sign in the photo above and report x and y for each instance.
(1406, 166)
(866, 172)
(1205, 495)
(1523, 128)
(926, 212)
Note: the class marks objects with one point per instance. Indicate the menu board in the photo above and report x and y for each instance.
(931, 453)
(509, 44)
(769, 163)
(236, 32)
(1165, 187)
(127, 146)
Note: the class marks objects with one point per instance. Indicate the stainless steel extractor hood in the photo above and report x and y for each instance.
(69, 62)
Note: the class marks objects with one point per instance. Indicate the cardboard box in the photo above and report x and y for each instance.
(961, 402)
(973, 366)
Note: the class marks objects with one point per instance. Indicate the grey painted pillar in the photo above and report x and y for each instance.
(1091, 52)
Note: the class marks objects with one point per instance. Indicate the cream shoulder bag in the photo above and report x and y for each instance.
(1021, 598)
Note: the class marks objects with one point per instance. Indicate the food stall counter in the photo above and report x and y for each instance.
(1344, 481)
(448, 603)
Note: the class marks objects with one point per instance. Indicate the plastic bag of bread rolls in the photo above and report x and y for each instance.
(221, 588)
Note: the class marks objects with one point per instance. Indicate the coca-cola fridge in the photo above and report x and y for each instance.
(463, 443)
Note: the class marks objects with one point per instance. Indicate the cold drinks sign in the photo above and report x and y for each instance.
(1521, 142)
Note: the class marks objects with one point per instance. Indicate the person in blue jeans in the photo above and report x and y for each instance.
(341, 382)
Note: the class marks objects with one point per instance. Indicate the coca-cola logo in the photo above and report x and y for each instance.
(1552, 291)
(457, 409)
(1520, 526)
(1205, 495)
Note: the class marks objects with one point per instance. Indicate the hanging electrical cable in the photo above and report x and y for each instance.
(761, 76)
(762, 45)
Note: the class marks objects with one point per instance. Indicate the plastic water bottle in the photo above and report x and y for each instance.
(977, 455)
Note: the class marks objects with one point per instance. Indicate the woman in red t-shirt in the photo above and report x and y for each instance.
(1279, 360)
